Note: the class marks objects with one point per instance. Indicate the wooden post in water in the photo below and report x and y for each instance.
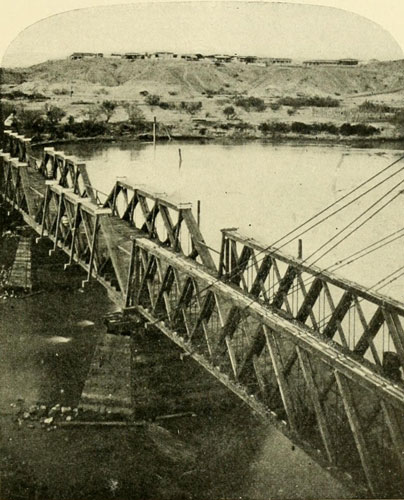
(180, 157)
(198, 213)
(300, 249)
(154, 130)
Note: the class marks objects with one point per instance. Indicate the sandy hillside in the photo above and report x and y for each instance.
(189, 79)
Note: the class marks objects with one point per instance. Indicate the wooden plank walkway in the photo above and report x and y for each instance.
(20, 276)
(108, 388)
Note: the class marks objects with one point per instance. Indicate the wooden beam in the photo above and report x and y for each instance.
(396, 332)
(318, 407)
(354, 422)
(310, 298)
(370, 333)
(396, 434)
(284, 286)
(198, 240)
(338, 315)
(284, 390)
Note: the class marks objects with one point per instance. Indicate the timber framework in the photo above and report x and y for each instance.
(301, 346)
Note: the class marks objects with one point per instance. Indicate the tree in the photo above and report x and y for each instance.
(135, 115)
(108, 108)
(54, 115)
(229, 112)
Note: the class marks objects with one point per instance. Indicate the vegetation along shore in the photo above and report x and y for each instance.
(118, 99)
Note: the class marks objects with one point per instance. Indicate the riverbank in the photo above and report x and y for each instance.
(201, 101)
(287, 140)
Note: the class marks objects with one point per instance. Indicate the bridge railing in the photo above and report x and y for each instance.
(167, 221)
(344, 408)
(361, 322)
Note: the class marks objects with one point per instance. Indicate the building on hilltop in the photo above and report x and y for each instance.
(348, 62)
(162, 55)
(192, 57)
(86, 55)
(331, 62)
(133, 56)
(278, 60)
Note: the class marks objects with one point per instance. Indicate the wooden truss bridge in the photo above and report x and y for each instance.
(319, 356)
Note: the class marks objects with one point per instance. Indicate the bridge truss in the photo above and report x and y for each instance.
(302, 347)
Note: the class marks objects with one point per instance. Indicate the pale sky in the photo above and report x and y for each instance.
(262, 28)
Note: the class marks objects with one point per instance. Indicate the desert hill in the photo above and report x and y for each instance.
(190, 79)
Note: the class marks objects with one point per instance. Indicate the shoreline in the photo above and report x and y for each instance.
(292, 140)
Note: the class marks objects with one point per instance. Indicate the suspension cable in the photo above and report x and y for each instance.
(354, 229)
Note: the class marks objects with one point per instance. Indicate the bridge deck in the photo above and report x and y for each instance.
(20, 276)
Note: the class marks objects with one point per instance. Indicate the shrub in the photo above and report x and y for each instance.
(54, 115)
(87, 128)
(108, 109)
(60, 91)
(374, 107)
(251, 103)
(314, 101)
(229, 112)
(275, 106)
(30, 121)
(135, 115)
(358, 129)
(191, 107)
(153, 99)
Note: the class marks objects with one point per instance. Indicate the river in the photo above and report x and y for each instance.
(266, 190)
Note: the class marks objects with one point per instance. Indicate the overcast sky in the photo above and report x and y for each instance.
(272, 29)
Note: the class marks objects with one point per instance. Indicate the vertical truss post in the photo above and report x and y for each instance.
(130, 273)
(59, 217)
(74, 235)
(45, 207)
(97, 214)
(92, 250)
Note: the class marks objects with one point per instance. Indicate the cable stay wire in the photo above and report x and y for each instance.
(337, 210)
(370, 288)
(343, 262)
(239, 267)
(355, 228)
(377, 245)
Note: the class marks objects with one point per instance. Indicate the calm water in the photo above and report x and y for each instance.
(266, 191)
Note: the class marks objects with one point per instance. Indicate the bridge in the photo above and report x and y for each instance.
(301, 346)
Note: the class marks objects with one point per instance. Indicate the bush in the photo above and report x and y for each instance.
(346, 129)
(153, 99)
(229, 112)
(314, 101)
(275, 106)
(135, 115)
(191, 107)
(54, 115)
(87, 128)
(358, 129)
(60, 91)
(30, 121)
(251, 103)
(374, 107)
